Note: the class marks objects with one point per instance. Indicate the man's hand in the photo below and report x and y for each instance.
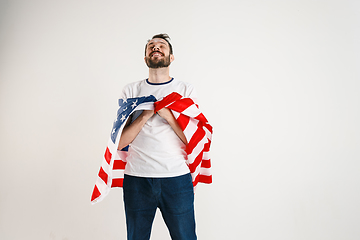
(166, 114)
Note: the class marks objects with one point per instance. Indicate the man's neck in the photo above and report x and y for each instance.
(159, 75)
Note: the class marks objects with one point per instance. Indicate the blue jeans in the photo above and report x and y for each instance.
(174, 196)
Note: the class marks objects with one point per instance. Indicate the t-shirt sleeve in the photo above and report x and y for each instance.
(125, 93)
(191, 93)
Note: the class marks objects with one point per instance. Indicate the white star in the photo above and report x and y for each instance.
(113, 131)
(124, 100)
(134, 104)
(122, 118)
(124, 109)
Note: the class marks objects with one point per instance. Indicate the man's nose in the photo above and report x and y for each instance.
(156, 47)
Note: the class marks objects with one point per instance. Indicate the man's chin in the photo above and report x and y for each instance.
(157, 65)
(158, 62)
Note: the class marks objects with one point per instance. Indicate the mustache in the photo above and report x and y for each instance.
(156, 52)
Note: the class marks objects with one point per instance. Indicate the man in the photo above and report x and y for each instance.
(156, 173)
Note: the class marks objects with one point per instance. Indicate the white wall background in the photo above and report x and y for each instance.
(278, 80)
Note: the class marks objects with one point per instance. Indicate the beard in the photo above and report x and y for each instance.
(157, 62)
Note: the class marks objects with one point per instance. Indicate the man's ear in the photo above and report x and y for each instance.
(172, 58)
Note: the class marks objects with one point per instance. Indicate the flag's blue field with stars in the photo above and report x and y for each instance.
(126, 108)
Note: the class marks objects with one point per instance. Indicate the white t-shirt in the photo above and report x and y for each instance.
(157, 151)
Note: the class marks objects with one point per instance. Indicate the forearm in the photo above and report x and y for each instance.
(130, 132)
(169, 117)
(175, 126)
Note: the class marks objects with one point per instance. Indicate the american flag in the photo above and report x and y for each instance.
(198, 133)
(193, 123)
(111, 172)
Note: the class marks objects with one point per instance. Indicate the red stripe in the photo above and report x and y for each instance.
(119, 165)
(201, 118)
(207, 146)
(195, 139)
(107, 155)
(117, 182)
(205, 179)
(96, 193)
(183, 121)
(196, 162)
(103, 175)
(206, 163)
(181, 105)
(166, 101)
(209, 127)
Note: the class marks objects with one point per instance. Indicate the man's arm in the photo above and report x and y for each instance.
(130, 131)
(169, 117)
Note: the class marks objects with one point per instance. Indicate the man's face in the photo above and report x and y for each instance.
(158, 53)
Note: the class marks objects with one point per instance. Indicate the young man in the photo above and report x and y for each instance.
(156, 173)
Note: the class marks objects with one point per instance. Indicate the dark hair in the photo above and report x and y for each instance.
(163, 36)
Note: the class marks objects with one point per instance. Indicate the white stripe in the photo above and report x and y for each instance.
(197, 150)
(118, 174)
(190, 129)
(191, 111)
(176, 114)
(105, 166)
(195, 174)
(103, 188)
(110, 145)
(122, 155)
(206, 155)
(208, 133)
(205, 171)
